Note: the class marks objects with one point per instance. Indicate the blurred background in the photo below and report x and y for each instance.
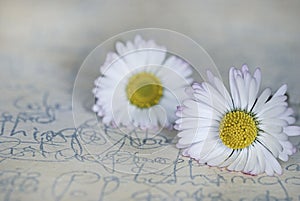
(56, 36)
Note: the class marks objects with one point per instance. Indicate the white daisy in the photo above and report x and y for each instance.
(239, 130)
(140, 86)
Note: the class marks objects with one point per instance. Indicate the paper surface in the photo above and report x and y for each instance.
(48, 152)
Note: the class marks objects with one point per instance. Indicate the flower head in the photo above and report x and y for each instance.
(240, 130)
(140, 86)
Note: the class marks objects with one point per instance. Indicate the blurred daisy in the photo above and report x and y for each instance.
(240, 130)
(140, 86)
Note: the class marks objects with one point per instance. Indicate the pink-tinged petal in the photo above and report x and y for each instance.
(245, 69)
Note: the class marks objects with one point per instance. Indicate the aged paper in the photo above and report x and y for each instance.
(45, 157)
(52, 146)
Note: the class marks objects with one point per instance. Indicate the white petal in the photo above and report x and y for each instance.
(240, 162)
(196, 112)
(200, 107)
(279, 136)
(194, 150)
(247, 80)
(120, 47)
(179, 66)
(184, 152)
(281, 91)
(195, 123)
(283, 156)
(153, 115)
(253, 90)
(272, 104)
(251, 160)
(260, 157)
(272, 129)
(290, 120)
(155, 56)
(272, 163)
(271, 144)
(231, 158)
(261, 100)
(192, 136)
(274, 122)
(243, 93)
(218, 155)
(288, 147)
(287, 116)
(164, 119)
(216, 99)
(234, 89)
(206, 149)
(292, 130)
(219, 85)
(257, 76)
(171, 79)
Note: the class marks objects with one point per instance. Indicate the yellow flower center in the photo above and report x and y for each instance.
(144, 90)
(238, 129)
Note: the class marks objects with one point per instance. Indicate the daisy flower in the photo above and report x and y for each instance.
(140, 85)
(241, 130)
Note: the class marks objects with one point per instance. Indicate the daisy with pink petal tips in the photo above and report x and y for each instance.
(243, 130)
